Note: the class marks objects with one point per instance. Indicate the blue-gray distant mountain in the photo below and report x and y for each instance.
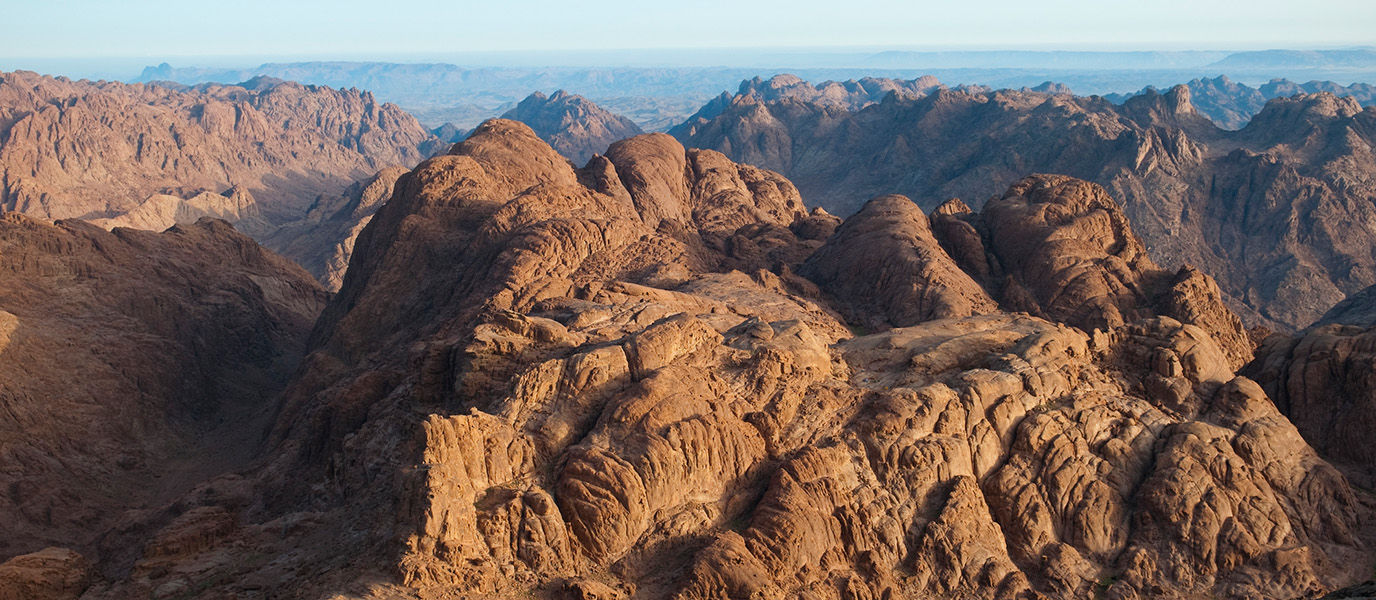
(658, 97)
(1352, 58)
(1231, 104)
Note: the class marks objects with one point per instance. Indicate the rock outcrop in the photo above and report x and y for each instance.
(889, 271)
(133, 367)
(49, 574)
(161, 211)
(572, 125)
(1278, 211)
(1231, 105)
(611, 382)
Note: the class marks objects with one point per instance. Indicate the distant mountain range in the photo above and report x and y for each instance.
(1231, 105)
(657, 98)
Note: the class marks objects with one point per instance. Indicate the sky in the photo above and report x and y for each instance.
(203, 31)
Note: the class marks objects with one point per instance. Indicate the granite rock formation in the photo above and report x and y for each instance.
(661, 376)
(323, 240)
(851, 94)
(98, 149)
(1231, 105)
(616, 382)
(1322, 379)
(259, 155)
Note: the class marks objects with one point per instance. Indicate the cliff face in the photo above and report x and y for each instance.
(613, 381)
(1277, 211)
(82, 149)
(571, 124)
(134, 366)
(1321, 378)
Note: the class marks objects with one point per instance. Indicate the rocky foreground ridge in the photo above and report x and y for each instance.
(660, 376)
(1280, 211)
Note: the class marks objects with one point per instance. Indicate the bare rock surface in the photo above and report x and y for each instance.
(81, 149)
(611, 382)
(890, 271)
(323, 241)
(1323, 379)
(49, 574)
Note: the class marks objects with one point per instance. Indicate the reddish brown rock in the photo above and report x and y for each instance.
(1069, 253)
(87, 150)
(1322, 379)
(49, 574)
(1278, 212)
(610, 382)
(323, 242)
(581, 397)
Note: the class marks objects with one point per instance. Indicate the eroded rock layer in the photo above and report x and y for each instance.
(271, 157)
(81, 149)
(1324, 380)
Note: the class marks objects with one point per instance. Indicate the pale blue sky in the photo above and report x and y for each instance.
(279, 29)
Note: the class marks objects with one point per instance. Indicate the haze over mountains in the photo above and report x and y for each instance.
(839, 338)
(657, 97)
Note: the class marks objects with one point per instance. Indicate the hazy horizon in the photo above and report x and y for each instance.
(84, 38)
(128, 68)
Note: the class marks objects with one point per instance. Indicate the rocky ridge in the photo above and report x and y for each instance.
(1277, 211)
(1231, 105)
(619, 381)
(323, 241)
(260, 154)
(96, 149)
